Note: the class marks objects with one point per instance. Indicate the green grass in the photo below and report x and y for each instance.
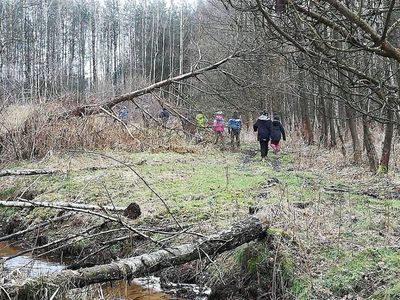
(218, 187)
(193, 185)
(348, 270)
(300, 288)
(389, 292)
(8, 192)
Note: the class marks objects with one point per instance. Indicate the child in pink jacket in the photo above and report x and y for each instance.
(218, 126)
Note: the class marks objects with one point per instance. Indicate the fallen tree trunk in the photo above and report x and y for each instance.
(26, 172)
(86, 110)
(29, 172)
(59, 205)
(129, 268)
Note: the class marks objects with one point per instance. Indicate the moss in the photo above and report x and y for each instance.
(382, 169)
(275, 231)
(8, 192)
(6, 212)
(288, 266)
(42, 213)
(253, 257)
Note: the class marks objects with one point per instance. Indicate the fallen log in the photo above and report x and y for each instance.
(26, 172)
(129, 268)
(97, 108)
(60, 205)
(29, 172)
(73, 207)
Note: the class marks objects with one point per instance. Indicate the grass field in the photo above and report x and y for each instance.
(337, 225)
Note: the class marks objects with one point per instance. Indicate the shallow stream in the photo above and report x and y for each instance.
(35, 267)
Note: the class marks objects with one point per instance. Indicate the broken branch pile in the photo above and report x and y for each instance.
(129, 268)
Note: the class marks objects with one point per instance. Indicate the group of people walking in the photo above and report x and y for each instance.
(234, 127)
(268, 131)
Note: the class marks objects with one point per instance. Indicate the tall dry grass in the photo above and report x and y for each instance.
(27, 133)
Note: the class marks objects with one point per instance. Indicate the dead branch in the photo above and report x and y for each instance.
(86, 110)
(117, 219)
(26, 172)
(29, 172)
(32, 228)
(60, 205)
(54, 243)
(128, 268)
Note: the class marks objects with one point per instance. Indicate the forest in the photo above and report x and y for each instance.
(139, 157)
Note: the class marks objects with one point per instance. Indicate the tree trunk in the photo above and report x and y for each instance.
(95, 109)
(332, 116)
(369, 146)
(323, 118)
(387, 142)
(26, 172)
(357, 150)
(307, 130)
(339, 132)
(132, 267)
(59, 205)
(94, 60)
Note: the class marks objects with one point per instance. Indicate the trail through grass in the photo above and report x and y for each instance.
(341, 224)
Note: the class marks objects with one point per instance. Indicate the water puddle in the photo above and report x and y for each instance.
(139, 289)
(142, 289)
(25, 264)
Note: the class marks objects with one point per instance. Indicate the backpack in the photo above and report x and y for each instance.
(276, 133)
(164, 114)
(235, 124)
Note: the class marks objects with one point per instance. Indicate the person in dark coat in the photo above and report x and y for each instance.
(277, 132)
(263, 127)
(164, 116)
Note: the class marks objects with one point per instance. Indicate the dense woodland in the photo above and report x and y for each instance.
(128, 198)
(325, 66)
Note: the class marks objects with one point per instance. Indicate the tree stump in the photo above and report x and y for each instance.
(132, 211)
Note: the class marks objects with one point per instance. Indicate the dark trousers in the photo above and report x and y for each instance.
(264, 148)
(218, 137)
(235, 135)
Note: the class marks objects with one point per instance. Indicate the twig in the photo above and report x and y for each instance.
(94, 253)
(52, 243)
(32, 228)
(58, 205)
(106, 217)
(144, 181)
(119, 120)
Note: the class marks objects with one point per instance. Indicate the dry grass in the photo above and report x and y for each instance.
(31, 135)
(340, 240)
(331, 244)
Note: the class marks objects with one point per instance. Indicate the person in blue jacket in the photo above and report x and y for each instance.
(123, 114)
(234, 127)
